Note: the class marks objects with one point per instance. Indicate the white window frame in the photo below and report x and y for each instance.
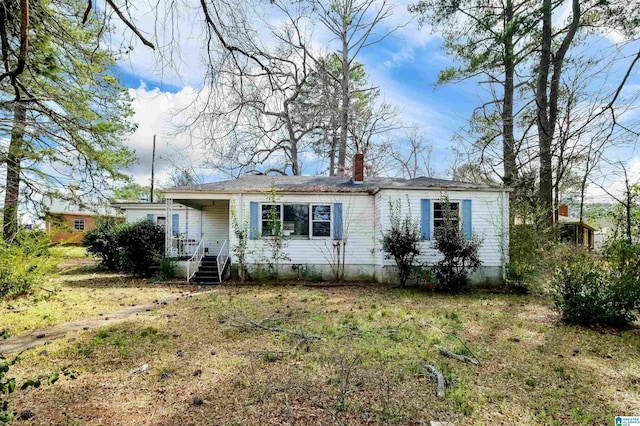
(262, 220)
(319, 237)
(76, 221)
(310, 205)
(433, 212)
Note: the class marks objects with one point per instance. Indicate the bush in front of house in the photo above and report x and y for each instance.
(167, 269)
(460, 256)
(24, 262)
(401, 241)
(591, 290)
(102, 242)
(141, 245)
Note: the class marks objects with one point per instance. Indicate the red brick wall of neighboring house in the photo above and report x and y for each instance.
(63, 227)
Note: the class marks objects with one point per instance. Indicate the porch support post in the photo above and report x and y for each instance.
(168, 228)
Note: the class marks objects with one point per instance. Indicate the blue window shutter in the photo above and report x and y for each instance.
(151, 217)
(425, 218)
(175, 224)
(254, 215)
(466, 219)
(337, 221)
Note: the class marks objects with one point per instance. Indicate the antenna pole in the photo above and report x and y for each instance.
(153, 163)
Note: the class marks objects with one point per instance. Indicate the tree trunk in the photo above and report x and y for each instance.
(12, 188)
(508, 145)
(344, 88)
(547, 99)
(332, 153)
(545, 134)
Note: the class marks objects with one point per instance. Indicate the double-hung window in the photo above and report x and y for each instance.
(296, 221)
(443, 210)
(321, 220)
(271, 215)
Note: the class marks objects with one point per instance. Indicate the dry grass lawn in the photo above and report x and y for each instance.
(363, 362)
(79, 290)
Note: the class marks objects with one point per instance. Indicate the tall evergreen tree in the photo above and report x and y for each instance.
(65, 114)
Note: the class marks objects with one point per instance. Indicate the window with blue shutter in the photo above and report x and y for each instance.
(337, 221)
(151, 217)
(253, 220)
(425, 218)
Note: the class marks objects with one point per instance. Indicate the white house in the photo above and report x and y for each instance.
(317, 212)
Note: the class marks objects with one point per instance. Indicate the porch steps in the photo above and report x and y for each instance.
(208, 271)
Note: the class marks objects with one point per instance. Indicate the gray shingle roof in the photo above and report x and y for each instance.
(260, 183)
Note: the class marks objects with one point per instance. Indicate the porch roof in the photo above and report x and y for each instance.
(568, 220)
(327, 184)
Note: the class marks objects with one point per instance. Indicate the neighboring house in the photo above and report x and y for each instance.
(573, 230)
(67, 223)
(318, 212)
(69, 227)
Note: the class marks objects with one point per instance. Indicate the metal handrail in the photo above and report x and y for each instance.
(220, 255)
(195, 259)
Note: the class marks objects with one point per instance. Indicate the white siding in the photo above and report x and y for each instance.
(357, 223)
(139, 213)
(489, 220)
(189, 219)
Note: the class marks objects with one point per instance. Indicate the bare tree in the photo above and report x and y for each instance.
(628, 200)
(354, 23)
(413, 158)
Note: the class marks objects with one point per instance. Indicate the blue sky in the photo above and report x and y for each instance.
(404, 66)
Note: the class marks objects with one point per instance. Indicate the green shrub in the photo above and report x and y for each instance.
(168, 269)
(24, 263)
(401, 241)
(7, 387)
(460, 256)
(531, 251)
(141, 245)
(102, 241)
(595, 291)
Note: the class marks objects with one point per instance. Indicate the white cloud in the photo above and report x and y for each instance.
(161, 114)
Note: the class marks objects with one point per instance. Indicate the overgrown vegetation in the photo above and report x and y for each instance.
(7, 387)
(128, 247)
(275, 239)
(141, 245)
(531, 250)
(460, 255)
(102, 241)
(24, 262)
(241, 231)
(368, 367)
(167, 269)
(593, 290)
(401, 241)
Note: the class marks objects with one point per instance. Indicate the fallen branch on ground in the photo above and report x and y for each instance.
(463, 358)
(440, 389)
(302, 336)
(429, 324)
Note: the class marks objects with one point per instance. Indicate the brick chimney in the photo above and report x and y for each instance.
(563, 210)
(358, 168)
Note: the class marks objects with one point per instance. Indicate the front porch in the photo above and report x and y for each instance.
(197, 235)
